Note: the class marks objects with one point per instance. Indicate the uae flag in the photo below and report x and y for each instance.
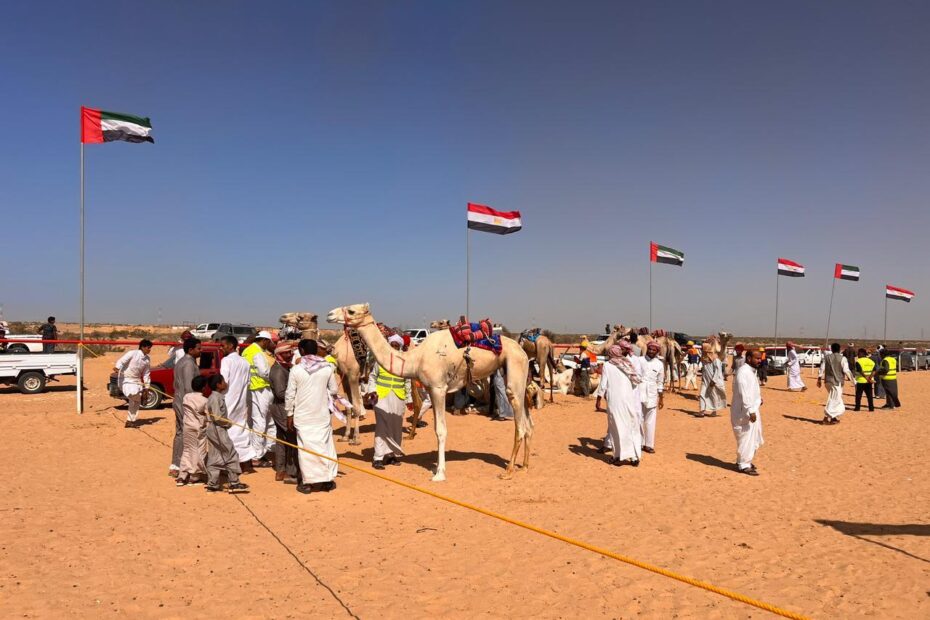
(790, 268)
(902, 294)
(103, 126)
(663, 254)
(487, 219)
(846, 272)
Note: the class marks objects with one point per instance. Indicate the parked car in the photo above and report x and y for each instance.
(923, 359)
(31, 371)
(205, 331)
(24, 347)
(907, 359)
(417, 335)
(241, 332)
(777, 360)
(162, 377)
(811, 357)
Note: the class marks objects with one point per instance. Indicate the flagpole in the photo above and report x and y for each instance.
(467, 273)
(776, 306)
(885, 332)
(826, 339)
(650, 294)
(80, 351)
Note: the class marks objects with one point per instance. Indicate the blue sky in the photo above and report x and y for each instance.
(310, 155)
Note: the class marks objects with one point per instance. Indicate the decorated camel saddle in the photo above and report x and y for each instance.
(479, 335)
(532, 334)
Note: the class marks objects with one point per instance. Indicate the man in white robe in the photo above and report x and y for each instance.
(624, 407)
(795, 383)
(833, 370)
(392, 393)
(713, 391)
(311, 385)
(745, 415)
(236, 372)
(653, 374)
(261, 399)
(134, 377)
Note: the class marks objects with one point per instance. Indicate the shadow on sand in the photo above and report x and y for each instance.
(861, 530)
(711, 461)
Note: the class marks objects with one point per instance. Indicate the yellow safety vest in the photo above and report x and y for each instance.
(255, 382)
(385, 383)
(892, 373)
(867, 366)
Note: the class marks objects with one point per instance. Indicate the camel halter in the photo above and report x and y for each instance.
(346, 327)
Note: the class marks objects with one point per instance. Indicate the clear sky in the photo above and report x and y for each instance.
(310, 155)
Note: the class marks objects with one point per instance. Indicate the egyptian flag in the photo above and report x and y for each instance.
(790, 268)
(103, 126)
(901, 294)
(663, 254)
(846, 272)
(487, 219)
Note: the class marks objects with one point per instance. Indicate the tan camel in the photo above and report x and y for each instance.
(440, 324)
(442, 368)
(351, 374)
(718, 345)
(619, 332)
(541, 350)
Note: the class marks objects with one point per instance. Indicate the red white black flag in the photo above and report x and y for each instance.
(790, 268)
(901, 294)
(486, 219)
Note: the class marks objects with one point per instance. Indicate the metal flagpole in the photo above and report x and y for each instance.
(826, 339)
(885, 332)
(776, 306)
(650, 294)
(80, 352)
(467, 273)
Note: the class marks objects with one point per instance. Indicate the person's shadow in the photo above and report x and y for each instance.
(800, 419)
(588, 447)
(711, 461)
(427, 460)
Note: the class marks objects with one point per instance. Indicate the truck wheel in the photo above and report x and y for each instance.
(31, 382)
(152, 399)
(18, 348)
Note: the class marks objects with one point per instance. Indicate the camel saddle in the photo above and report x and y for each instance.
(480, 335)
(532, 335)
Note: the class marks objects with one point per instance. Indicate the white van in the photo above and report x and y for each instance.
(205, 331)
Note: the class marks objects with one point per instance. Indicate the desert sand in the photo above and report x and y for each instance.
(836, 526)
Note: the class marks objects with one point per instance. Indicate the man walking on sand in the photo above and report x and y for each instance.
(619, 380)
(795, 382)
(745, 414)
(651, 392)
(236, 372)
(833, 369)
(134, 378)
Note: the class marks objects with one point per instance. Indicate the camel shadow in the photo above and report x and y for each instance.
(860, 530)
(427, 460)
(800, 419)
(711, 461)
(148, 421)
(588, 447)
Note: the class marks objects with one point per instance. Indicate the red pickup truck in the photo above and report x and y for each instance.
(163, 376)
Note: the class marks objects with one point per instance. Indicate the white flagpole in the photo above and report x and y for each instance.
(826, 340)
(885, 332)
(777, 277)
(650, 293)
(80, 348)
(467, 271)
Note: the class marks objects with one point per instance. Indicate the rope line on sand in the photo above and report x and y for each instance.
(697, 583)
(270, 531)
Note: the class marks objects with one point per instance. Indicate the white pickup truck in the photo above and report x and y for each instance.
(31, 371)
(24, 347)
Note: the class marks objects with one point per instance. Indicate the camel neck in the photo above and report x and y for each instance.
(399, 363)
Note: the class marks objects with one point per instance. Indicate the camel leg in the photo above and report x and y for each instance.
(359, 406)
(347, 433)
(438, 398)
(523, 424)
(417, 405)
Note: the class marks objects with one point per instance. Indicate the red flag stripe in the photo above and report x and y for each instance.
(485, 210)
(91, 131)
(895, 289)
(838, 272)
(790, 263)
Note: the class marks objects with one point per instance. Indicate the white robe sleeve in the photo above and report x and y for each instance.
(124, 360)
(846, 371)
(602, 386)
(823, 367)
(261, 366)
(147, 377)
(660, 378)
(331, 386)
(749, 389)
(291, 392)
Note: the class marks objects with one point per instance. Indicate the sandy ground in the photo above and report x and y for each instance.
(836, 526)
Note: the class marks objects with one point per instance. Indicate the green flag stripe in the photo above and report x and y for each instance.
(117, 116)
(667, 250)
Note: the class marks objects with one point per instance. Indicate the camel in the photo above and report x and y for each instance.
(618, 332)
(440, 324)
(541, 350)
(351, 373)
(718, 345)
(442, 368)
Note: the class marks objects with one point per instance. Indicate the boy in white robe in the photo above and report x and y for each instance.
(134, 378)
(833, 369)
(745, 415)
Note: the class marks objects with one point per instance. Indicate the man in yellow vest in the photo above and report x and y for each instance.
(261, 397)
(392, 395)
(865, 371)
(888, 371)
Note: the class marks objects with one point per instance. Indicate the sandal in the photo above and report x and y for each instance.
(749, 471)
(239, 487)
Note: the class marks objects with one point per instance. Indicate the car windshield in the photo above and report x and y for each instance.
(242, 330)
(213, 326)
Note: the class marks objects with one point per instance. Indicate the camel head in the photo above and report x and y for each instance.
(440, 324)
(350, 316)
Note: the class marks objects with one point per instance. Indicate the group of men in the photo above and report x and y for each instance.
(285, 391)
(878, 369)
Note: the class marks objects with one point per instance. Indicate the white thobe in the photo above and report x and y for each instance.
(623, 413)
(653, 374)
(236, 372)
(794, 371)
(307, 401)
(262, 420)
(835, 406)
(747, 399)
(134, 376)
